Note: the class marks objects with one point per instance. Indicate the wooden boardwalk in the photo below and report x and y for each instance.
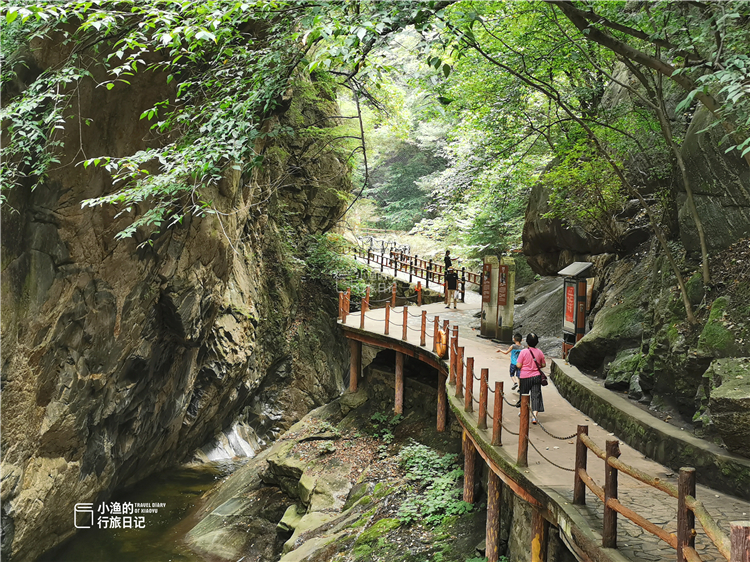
(548, 480)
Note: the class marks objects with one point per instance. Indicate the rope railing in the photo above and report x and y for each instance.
(549, 461)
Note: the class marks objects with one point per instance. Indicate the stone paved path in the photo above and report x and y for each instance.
(561, 419)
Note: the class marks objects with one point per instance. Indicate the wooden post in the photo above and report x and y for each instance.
(356, 364)
(497, 415)
(411, 268)
(341, 304)
(363, 308)
(435, 331)
(369, 251)
(423, 333)
(451, 361)
(470, 457)
(538, 536)
(482, 416)
(493, 518)
(419, 293)
(469, 392)
(685, 517)
(387, 318)
(382, 260)
(348, 301)
(463, 284)
(393, 295)
(399, 409)
(609, 531)
(523, 432)
(460, 373)
(367, 297)
(429, 274)
(442, 403)
(579, 488)
(406, 320)
(395, 265)
(739, 537)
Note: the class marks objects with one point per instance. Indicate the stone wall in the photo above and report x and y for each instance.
(120, 360)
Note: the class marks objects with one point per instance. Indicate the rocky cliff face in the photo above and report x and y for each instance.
(118, 361)
(638, 338)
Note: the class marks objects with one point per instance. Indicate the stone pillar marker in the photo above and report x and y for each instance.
(489, 296)
(498, 291)
(506, 290)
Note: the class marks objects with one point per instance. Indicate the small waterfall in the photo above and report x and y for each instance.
(239, 440)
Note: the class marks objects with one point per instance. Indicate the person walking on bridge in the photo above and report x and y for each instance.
(451, 282)
(447, 259)
(530, 363)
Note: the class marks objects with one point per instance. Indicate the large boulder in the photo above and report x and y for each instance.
(624, 367)
(721, 186)
(729, 402)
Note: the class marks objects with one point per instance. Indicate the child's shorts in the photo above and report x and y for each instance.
(514, 370)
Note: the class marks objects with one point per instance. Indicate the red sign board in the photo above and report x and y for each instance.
(502, 286)
(570, 307)
(486, 272)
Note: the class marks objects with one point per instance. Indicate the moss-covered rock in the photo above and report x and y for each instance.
(622, 369)
(729, 402)
(716, 340)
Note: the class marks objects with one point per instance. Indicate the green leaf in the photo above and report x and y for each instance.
(110, 85)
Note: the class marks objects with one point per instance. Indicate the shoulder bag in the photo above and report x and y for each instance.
(544, 382)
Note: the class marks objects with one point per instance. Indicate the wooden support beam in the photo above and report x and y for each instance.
(442, 403)
(341, 304)
(387, 319)
(399, 408)
(356, 364)
(539, 531)
(579, 488)
(393, 290)
(435, 330)
(423, 332)
(470, 456)
(685, 517)
(497, 415)
(483, 392)
(460, 373)
(469, 391)
(363, 309)
(609, 523)
(739, 536)
(406, 323)
(523, 432)
(492, 537)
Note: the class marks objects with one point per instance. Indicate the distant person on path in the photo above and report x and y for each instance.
(447, 259)
(514, 350)
(530, 361)
(451, 280)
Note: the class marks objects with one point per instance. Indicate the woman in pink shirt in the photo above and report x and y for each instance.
(531, 379)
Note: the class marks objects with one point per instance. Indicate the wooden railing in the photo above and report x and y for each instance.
(414, 266)
(461, 375)
(688, 508)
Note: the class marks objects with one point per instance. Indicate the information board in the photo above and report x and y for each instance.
(570, 306)
(502, 286)
(486, 286)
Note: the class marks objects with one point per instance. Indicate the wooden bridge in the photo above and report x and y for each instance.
(641, 517)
